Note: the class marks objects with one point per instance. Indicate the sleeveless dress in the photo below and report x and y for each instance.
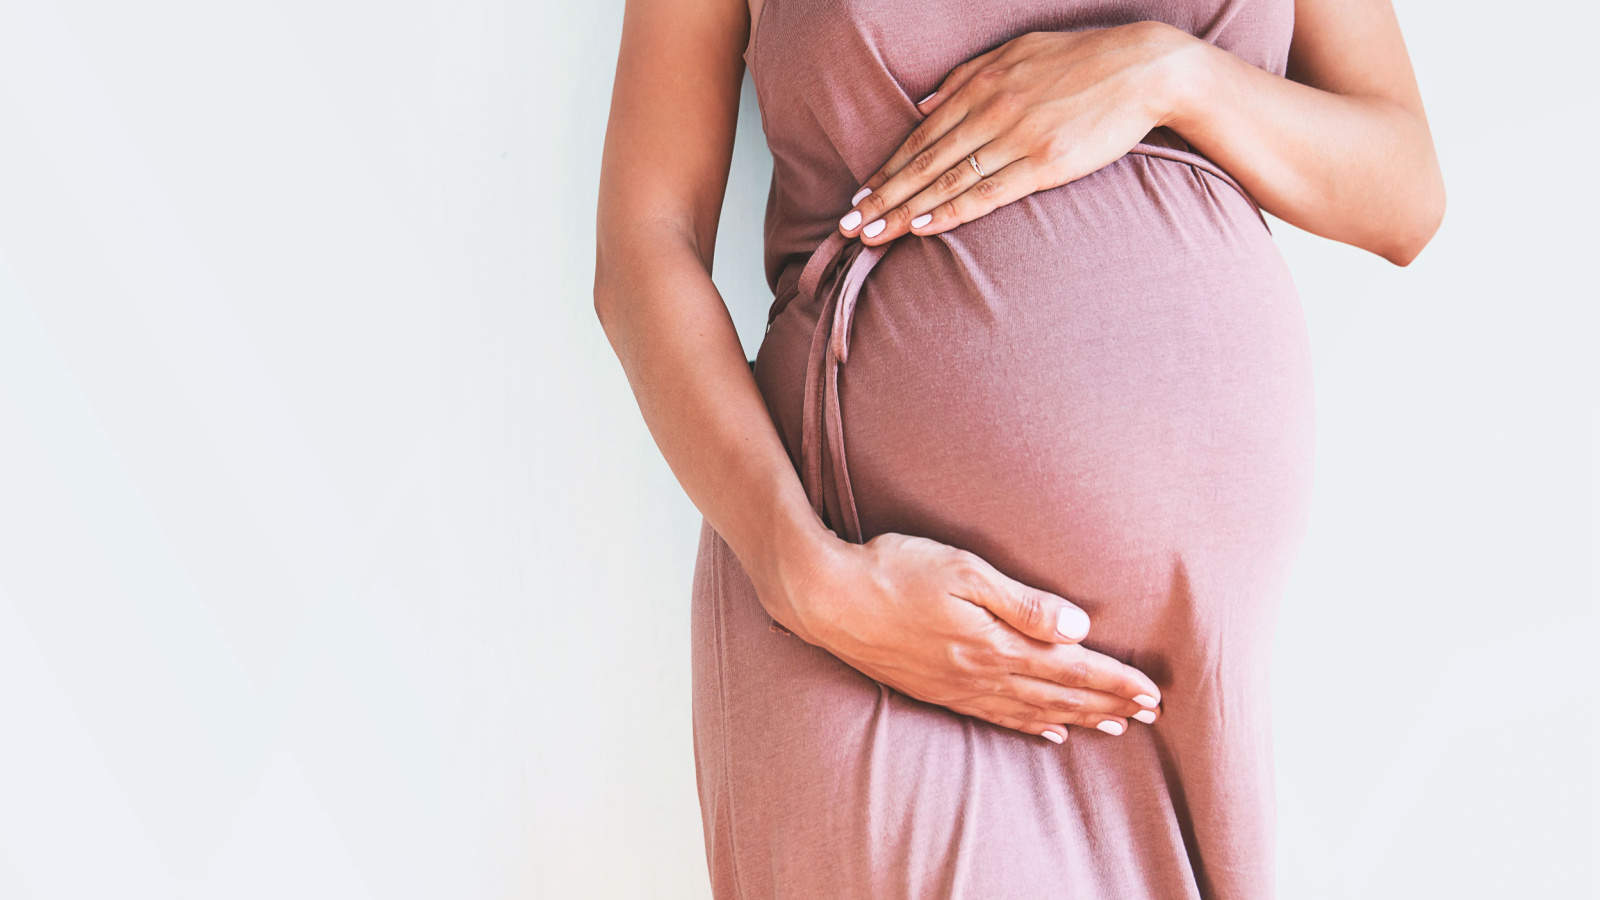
(1103, 389)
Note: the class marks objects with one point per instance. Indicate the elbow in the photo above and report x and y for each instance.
(601, 301)
(605, 303)
(1426, 216)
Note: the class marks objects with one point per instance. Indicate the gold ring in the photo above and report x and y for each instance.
(973, 158)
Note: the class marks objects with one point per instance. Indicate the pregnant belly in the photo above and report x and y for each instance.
(1082, 387)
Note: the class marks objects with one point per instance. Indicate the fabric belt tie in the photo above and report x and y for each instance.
(837, 267)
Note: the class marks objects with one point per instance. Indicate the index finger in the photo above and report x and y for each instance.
(1075, 665)
(954, 79)
(916, 156)
(940, 117)
(1036, 613)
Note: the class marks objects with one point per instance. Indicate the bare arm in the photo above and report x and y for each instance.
(1341, 147)
(936, 622)
(668, 146)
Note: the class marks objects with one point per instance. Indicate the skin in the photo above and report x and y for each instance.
(1351, 160)
(1346, 154)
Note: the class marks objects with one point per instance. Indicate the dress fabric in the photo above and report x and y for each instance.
(1104, 389)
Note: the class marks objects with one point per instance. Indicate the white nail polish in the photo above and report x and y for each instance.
(874, 228)
(1072, 623)
(1051, 736)
(927, 98)
(851, 220)
(922, 220)
(1146, 716)
(1110, 727)
(1147, 700)
(859, 194)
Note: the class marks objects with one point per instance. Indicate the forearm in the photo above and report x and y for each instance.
(1353, 168)
(682, 356)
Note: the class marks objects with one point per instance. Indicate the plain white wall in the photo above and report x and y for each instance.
(336, 561)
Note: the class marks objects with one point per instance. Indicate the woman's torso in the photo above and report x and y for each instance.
(1068, 361)
(1102, 388)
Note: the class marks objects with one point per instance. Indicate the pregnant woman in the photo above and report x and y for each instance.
(996, 523)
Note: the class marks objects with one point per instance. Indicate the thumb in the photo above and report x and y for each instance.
(1035, 613)
(953, 81)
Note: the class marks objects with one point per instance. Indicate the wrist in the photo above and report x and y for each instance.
(790, 578)
(1182, 75)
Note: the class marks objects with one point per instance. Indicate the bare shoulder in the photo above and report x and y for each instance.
(674, 108)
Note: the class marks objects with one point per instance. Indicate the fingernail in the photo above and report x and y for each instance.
(1147, 700)
(873, 229)
(859, 194)
(1110, 727)
(1073, 623)
(922, 220)
(851, 219)
(1051, 736)
(1146, 716)
(927, 98)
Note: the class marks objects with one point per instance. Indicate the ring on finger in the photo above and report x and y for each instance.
(973, 159)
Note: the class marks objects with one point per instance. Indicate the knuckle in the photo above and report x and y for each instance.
(981, 686)
(1005, 101)
(921, 164)
(956, 657)
(950, 181)
(966, 568)
(989, 75)
(947, 211)
(900, 215)
(1057, 147)
(984, 658)
(1010, 653)
(965, 576)
(987, 188)
(1037, 130)
(1029, 611)
(917, 139)
(872, 205)
(1075, 672)
(975, 666)
(1063, 166)
(969, 687)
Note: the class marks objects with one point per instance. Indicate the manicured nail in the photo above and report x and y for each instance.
(927, 98)
(1073, 623)
(1146, 716)
(873, 229)
(1051, 736)
(922, 220)
(1147, 701)
(859, 194)
(1110, 727)
(851, 220)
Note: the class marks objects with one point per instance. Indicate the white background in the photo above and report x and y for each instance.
(336, 561)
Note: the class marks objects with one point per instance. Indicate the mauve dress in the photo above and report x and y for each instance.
(1105, 390)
